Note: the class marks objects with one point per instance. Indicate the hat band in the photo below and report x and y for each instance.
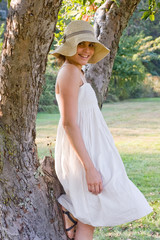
(76, 33)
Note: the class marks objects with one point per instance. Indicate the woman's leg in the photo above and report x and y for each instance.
(84, 231)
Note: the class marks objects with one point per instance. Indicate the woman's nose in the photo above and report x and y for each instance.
(86, 49)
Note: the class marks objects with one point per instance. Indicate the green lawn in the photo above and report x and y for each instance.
(135, 126)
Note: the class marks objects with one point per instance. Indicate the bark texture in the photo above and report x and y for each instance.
(28, 209)
(110, 21)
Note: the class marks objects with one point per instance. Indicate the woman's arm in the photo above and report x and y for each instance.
(68, 83)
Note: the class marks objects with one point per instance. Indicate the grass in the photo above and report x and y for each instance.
(46, 133)
(135, 126)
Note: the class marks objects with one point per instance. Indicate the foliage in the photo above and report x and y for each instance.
(128, 70)
(1, 34)
(47, 102)
(85, 10)
(149, 53)
(153, 7)
(131, 64)
(136, 25)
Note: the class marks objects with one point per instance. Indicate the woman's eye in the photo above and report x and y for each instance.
(91, 45)
(81, 44)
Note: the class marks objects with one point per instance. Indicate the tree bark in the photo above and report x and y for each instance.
(110, 21)
(28, 209)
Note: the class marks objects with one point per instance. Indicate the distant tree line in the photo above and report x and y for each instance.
(136, 68)
(136, 61)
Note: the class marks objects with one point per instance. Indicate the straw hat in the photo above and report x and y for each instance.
(76, 32)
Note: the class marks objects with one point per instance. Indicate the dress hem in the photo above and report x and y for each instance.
(127, 220)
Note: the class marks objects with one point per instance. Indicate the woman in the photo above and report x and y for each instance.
(97, 189)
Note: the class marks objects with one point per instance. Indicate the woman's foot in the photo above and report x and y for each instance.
(70, 223)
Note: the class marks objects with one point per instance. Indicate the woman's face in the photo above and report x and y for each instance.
(85, 51)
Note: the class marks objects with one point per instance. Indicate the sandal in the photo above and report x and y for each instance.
(69, 217)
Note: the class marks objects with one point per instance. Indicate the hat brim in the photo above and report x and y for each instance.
(69, 48)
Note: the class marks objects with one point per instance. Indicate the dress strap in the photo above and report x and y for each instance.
(83, 77)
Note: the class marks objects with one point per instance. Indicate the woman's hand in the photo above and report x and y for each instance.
(94, 181)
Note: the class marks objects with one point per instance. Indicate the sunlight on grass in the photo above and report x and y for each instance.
(46, 133)
(135, 126)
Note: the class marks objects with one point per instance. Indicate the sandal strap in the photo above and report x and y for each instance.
(68, 229)
(72, 220)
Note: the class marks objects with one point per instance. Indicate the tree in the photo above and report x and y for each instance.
(28, 209)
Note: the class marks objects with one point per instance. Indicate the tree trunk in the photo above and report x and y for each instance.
(110, 21)
(28, 209)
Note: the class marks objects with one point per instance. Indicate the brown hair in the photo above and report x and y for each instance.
(60, 60)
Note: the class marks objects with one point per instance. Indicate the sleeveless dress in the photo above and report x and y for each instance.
(120, 201)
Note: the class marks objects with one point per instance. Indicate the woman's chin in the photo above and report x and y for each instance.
(84, 61)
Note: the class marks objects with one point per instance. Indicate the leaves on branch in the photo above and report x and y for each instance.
(1, 36)
(9, 1)
(153, 7)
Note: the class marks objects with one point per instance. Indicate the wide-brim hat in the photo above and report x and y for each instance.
(76, 32)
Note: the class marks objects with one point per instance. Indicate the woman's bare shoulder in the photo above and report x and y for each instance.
(68, 74)
(68, 69)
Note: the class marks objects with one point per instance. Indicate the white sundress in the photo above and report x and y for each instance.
(120, 201)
